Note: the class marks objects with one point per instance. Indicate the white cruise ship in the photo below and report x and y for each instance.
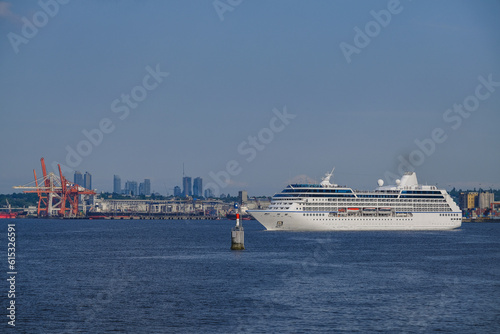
(329, 207)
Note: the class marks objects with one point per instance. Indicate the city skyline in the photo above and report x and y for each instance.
(83, 180)
(372, 88)
(197, 183)
(131, 187)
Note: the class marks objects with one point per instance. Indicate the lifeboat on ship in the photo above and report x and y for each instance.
(353, 211)
(384, 211)
(369, 211)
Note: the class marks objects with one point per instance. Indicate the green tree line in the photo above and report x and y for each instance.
(18, 200)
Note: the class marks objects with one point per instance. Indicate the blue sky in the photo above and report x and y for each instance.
(229, 78)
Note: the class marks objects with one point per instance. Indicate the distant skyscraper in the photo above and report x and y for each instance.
(78, 179)
(209, 193)
(198, 187)
(147, 187)
(177, 191)
(87, 180)
(131, 188)
(187, 190)
(117, 184)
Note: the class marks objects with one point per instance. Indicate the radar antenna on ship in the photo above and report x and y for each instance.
(325, 181)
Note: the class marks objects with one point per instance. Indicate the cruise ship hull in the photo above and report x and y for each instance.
(328, 207)
(296, 221)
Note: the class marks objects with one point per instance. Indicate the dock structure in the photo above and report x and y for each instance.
(161, 209)
(149, 217)
(57, 196)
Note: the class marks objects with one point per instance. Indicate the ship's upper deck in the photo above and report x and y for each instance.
(407, 187)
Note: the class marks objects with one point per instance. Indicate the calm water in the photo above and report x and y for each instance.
(180, 277)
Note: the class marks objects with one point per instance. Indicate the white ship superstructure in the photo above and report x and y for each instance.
(326, 207)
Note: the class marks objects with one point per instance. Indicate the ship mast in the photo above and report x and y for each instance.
(325, 181)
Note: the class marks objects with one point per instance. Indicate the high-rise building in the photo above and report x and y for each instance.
(87, 180)
(78, 179)
(209, 193)
(198, 187)
(131, 188)
(187, 190)
(177, 191)
(147, 187)
(242, 196)
(117, 184)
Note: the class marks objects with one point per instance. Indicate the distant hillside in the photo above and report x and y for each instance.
(18, 200)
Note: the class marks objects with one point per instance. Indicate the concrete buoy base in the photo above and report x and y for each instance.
(237, 238)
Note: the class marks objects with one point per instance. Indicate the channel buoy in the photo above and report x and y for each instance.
(237, 233)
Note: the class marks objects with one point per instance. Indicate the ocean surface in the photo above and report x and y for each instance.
(101, 276)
